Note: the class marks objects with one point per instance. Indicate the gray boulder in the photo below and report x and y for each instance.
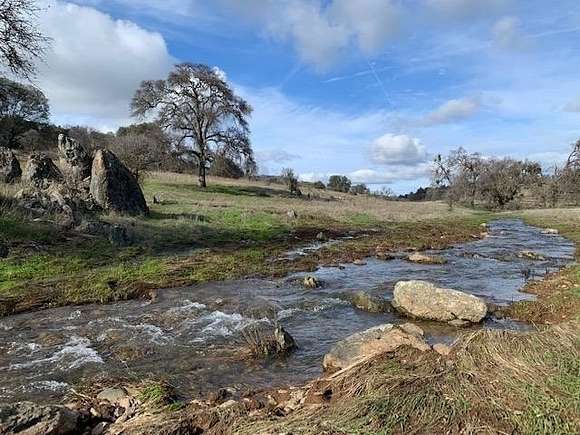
(365, 344)
(372, 304)
(40, 171)
(75, 161)
(114, 187)
(423, 300)
(31, 419)
(10, 169)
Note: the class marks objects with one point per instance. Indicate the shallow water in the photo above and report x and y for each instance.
(189, 336)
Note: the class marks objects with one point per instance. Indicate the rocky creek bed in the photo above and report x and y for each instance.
(191, 337)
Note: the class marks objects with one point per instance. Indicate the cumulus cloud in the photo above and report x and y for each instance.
(320, 31)
(96, 63)
(453, 111)
(507, 33)
(391, 174)
(391, 149)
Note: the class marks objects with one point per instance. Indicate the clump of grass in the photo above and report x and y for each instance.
(159, 395)
(259, 342)
(497, 382)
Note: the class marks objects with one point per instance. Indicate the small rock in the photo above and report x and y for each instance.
(550, 231)
(112, 395)
(385, 256)
(458, 323)
(311, 282)
(359, 263)
(411, 328)
(321, 237)
(426, 259)
(284, 341)
(530, 255)
(442, 349)
(292, 214)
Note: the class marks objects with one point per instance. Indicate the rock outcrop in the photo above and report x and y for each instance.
(29, 418)
(10, 169)
(40, 171)
(365, 344)
(423, 300)
(75, 161)
(284, 341)
(113, 186)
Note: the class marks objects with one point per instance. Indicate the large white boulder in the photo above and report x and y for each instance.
(423, 300)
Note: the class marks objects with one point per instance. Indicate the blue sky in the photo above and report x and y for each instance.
(367, 88)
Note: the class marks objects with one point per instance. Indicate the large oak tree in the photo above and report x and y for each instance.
(198, 107)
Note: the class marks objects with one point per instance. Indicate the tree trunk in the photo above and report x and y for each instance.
(201, 179)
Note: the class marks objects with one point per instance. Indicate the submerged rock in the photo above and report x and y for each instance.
(366, 302)
(114, 187)
(9, 166)
(365, 344)
(411, 328)
(530, 255)
(29, 418)
(426, 259)
(423, 300)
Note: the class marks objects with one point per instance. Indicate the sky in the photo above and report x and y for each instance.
(372, 89)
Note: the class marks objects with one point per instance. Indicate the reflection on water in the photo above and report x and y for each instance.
(189, 336)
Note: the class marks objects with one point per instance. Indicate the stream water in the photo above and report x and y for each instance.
(189, 336)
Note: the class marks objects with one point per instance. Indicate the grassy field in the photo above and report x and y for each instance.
(232, 229)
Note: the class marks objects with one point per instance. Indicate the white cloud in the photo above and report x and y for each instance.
(401, 149)
(507, 33)
(96, 63)
(391, 174)
(452, 111)
(321, 31)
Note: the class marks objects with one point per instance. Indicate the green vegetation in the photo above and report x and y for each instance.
(225, 231)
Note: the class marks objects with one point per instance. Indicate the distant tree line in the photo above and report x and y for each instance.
(499, 183)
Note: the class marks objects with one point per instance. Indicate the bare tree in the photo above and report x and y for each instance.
(197, 105)
(21, 44)
(141, 147)
(569, 176)
(291, 180)
(443, 176)
(503, 180)
(469, 169)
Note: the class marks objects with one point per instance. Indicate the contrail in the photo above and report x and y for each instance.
(380, 82)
